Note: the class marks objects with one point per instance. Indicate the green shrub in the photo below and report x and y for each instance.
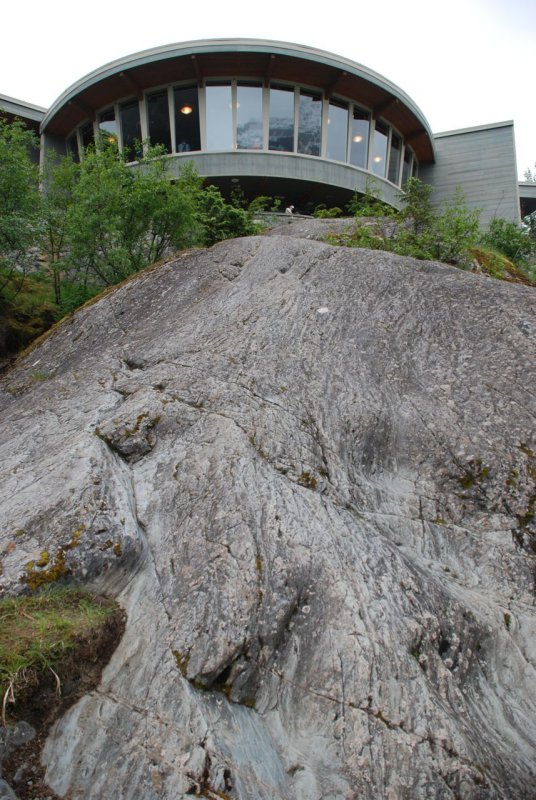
(511, 240)
(368, 203)
(322, 212)
(219, 220)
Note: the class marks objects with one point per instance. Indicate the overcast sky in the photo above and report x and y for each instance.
(465, 62)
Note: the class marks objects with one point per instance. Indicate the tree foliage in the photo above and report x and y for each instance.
(530, 175)
(19, 200)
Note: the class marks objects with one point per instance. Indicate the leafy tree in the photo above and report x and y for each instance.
(19, 201)
(120, 220)
(59, 178)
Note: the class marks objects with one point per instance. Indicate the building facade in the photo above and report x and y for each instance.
(279, 119)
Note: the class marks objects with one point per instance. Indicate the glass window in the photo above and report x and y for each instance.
(108, 126)
(394, 158)
(249, 117)
(414, 167)
(310, 122)
(281, 120)
(359, 138)
(87, 134)
(406, 167)
(72, 147)
(379, 149)
(131, 129)
(337, 131)
(219, 118)
(158, 117)
(187, 134)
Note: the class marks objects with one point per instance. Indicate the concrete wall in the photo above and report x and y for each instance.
(482, 161)
(285, 166)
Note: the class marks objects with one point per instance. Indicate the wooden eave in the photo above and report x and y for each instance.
(132, 82)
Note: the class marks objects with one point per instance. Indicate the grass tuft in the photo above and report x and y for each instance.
(38, 632)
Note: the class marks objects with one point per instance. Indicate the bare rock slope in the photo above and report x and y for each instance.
(308, 474)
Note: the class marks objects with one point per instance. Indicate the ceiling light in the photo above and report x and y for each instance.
(186, 110)
(357, 138)
(377, 159)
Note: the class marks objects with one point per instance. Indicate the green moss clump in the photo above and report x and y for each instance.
(75, 538)
(182, 661)
(38, 573)
(473, 473)
(308, 480)
(499, 266)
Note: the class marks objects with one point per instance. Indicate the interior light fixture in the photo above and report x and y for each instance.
(377, 159)
(357, 138)
(186, 110)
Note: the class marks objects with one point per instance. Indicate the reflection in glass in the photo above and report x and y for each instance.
(249, 117)
(219, 118)
(281, 120)
(129, 114)
(187, 134)
(337, 131)
(72, 147)
(359, 138)
(406, 167)
(87, 134)
(108, 126)
(394, 158)
(310, 122)
(379, 149)
(158, 116)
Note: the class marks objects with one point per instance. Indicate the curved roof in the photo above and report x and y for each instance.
(272, 60)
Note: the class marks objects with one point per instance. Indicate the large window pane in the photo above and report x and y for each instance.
(394, 158)
(281, 120)
(406, 167)
(379, 149)
(337, 131)
(72, 147)
(108, 126)
(249, 117)
(219, 118)
(87, 134)
(131, 129)
(359, 138)
(158, 115)
(187, 135)
(310, 122)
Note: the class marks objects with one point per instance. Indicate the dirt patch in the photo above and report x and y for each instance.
(42, 702)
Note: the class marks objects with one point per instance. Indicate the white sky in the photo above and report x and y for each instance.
(464, 62)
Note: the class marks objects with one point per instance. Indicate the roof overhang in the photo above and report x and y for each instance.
(247, 58)
(12, 108)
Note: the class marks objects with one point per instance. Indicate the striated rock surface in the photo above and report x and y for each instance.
(308, 475)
